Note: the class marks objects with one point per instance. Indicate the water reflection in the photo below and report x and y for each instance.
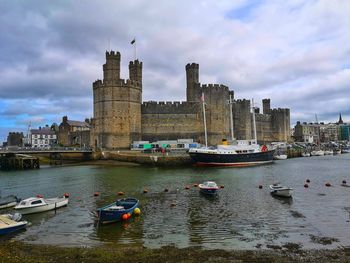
(240, 216)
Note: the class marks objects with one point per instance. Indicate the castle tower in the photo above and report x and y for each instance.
(117, 105)
(266, 106)
(111, 70)
(135, 71)
(192, 78)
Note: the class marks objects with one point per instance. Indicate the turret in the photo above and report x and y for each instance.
(266, 106)
(192, 78)
(111, 70)
(135, 71)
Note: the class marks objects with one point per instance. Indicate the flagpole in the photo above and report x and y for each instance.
(205, 123)
(135, 49)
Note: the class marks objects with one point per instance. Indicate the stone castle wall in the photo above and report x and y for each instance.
(120, 117)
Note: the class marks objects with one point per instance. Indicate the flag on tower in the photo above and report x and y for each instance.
(133, 41)
(202, 97)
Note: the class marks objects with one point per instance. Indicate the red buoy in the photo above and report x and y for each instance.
(308, 180)
(66, 195)
(260, 186)
(344, 182)
(166, 190)
(120, 193)
(145, 191)
(328, 184)
(39, 196)
(222, 186)
(187, 187)
(125, 217)
(195, 185)
(306, 185)
(96, 194)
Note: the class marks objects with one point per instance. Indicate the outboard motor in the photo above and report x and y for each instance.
(16, 217)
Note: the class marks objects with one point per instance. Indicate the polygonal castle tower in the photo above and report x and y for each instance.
(117, 105)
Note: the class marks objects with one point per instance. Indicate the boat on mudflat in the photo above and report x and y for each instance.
(38, 204)
(209, 188)
(11, 223)
(114, 212)
(282, 191)
(244, 153)
(8, 201)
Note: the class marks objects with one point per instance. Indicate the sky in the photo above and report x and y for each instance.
(295, 52)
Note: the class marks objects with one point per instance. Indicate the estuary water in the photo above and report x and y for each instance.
(242, 216)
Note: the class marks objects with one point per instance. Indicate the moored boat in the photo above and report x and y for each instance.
(37, 204)
(209, 188)
(317, 153)
(280, 157)
(114, 212)
(8, 201)
(282, 191)
(232, 155)
(305, 154)
(11, 223)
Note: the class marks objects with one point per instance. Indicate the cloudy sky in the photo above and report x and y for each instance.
(295, 52)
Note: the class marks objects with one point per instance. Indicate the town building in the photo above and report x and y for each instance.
(74, 133)
(121, 117)
(307, 132)
(42, 138)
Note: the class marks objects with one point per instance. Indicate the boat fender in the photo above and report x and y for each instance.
(264, 148)
(137, 211)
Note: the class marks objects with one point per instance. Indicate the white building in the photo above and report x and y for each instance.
(42, 137)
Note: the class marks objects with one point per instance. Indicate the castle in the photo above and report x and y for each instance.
(120, 117)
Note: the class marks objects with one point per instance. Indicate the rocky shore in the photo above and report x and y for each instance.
(14, 251)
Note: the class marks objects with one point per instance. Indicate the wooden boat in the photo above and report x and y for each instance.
(114, 212)
(209, 188)
(37, 204)
(282, 191)
(8, 201)
(11, 223)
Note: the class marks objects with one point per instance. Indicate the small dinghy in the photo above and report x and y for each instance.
(282, 191)
(11, 223)
(37, 204)
(8, 201)
(114, 212)
(208, 188)
(280, 157)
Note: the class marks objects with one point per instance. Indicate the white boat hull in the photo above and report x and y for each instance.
(305, 154)
(8, 205)
(317, 153)
(280, 157)
(51, 204)
(281, 191)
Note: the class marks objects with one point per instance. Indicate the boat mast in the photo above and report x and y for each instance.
(254, 124)
(231, 117)
(205, 122)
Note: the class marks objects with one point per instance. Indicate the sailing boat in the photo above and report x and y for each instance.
(239, 153)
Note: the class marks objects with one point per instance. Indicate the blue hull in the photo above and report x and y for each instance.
(108, 214)
(244, 159)
(10, 230)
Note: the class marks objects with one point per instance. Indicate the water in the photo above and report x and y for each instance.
(242, 216)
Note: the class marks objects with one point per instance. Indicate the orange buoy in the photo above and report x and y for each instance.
(222, 186)
(96, 194)
(39, 196)
(145, 191)
(260, 186)
(173, 204)
(328, 184)
(306, 185)
(195, 185)
(66, 195)
(121, 193)
(166, 190)
(308, 180)
(129, 215)
(125, 217)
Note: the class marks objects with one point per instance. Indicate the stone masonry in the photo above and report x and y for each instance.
(120, 117)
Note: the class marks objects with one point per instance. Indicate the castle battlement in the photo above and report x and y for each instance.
(168, 107)
(215, 87)
(112, 55)
(192, 66)
(135, 63)
(120, 83)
